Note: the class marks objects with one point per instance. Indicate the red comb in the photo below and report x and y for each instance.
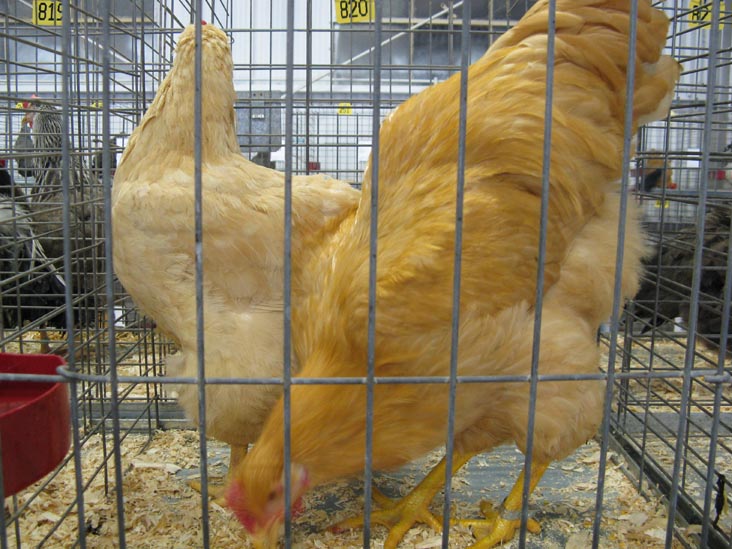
(27, 104)
(203, 22)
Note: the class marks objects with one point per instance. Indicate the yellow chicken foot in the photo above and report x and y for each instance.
(45, 345)
(501, 524)
(400, 515)
(216, 488)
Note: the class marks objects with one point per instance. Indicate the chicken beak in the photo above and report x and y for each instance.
(266, 538)
(258, 543)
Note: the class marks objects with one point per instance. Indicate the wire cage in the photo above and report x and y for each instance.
(313, 82)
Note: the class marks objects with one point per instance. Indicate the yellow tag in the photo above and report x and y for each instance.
(666, 204)
(701, 13)
(353, 11)
(345, 108)
(47, 12)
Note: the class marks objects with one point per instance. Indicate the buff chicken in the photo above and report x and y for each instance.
(414, 273)
(243, 239)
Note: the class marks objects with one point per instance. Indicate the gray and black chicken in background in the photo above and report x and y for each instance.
(670, 271)
(30, 287)
(98, 157)
(86, 208)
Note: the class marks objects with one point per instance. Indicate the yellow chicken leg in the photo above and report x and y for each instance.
(399, 516)
(500, 525)
(216, 489)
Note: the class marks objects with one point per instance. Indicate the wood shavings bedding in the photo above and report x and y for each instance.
(30, 342)
(161, 510)
(656, 394)
(651, 418)
(134, 351)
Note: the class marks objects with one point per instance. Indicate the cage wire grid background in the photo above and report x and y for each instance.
(664, 462)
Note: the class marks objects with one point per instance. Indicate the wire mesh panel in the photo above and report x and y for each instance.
(676, 428)
(76, 79)
(233, 263)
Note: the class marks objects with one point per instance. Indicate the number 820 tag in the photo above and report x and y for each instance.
(354, 11)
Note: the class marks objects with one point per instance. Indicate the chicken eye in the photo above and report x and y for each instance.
(272, 495)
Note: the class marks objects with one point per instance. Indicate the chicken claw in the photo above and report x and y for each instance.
(500, 525)
(400, 515)
(495, 528)
(217, 488)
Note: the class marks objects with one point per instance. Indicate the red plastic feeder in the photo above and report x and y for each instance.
(34, 421)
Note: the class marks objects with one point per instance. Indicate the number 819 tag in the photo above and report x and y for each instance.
(47, 12)
(354, 11)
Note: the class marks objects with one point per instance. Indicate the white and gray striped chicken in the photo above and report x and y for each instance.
(85, 206)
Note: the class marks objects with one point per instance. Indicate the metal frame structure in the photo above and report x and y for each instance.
(311, 99)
